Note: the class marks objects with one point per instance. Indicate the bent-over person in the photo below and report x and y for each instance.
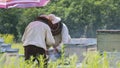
(60, 32)
(36, 37)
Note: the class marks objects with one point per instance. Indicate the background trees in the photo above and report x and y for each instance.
(83, 17)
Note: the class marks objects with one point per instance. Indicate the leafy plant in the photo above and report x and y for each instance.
(8, 38)
(91, 60)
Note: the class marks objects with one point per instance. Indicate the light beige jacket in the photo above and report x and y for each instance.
(39, 34)
(62, 38)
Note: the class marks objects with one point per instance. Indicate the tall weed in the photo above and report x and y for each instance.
(8, 38)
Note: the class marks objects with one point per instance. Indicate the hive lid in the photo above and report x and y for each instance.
(12, 50)
(1, 40)
(108, 31)
(5, 44)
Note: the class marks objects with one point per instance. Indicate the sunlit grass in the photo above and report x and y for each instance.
(8, 38)
(18, 46)
(91, 60)
(95, 60)
(21, 63)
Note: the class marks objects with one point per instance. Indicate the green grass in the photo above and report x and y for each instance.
(22, 64)
(18, 46)
(92, 60)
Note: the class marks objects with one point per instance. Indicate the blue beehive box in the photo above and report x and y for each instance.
(4, 47)
(1, 41)
(12, 50)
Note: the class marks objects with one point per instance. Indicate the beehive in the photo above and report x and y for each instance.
(108, 40)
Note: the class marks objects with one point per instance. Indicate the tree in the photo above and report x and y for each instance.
(8, 21)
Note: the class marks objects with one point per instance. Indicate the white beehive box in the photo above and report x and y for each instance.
(108, 40)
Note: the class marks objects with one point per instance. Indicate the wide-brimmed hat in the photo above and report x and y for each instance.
(45, 16)
(54, 18)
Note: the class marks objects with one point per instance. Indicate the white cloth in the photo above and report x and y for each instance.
(62, 38)
(39, 34)
(65, 34)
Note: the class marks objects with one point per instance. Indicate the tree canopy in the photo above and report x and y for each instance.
(83, 17)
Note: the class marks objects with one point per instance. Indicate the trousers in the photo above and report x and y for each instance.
(32, 50)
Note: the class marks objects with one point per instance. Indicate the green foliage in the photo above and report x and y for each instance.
(95, 60)
(8, 21)
(77, 14)
(8, 38)
(91, 60)
(21, 63)
(18, 46)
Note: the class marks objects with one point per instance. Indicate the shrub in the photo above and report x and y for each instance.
(8, 38)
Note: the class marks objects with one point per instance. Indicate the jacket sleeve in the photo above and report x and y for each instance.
(65, 34)
(24, 34)
(49, 37)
